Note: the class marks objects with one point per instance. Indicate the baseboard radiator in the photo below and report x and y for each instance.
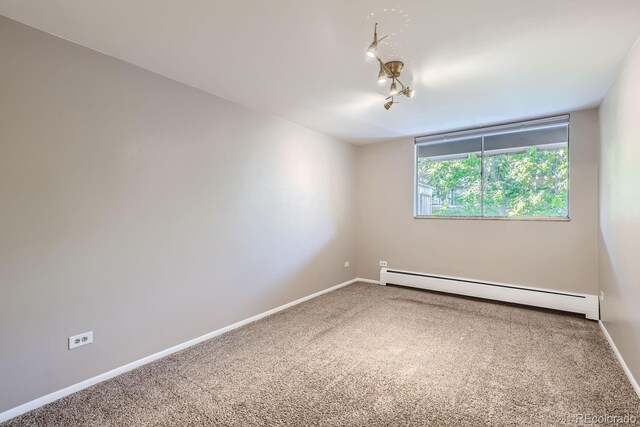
(538, 297)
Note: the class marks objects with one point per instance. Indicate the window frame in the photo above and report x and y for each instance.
(487, 129)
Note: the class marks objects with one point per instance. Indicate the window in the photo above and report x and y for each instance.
(518, 170)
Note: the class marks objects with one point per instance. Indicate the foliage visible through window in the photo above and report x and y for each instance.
(514, 171)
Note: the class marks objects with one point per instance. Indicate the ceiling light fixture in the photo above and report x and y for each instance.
(408, 92)
(388, 70)
(388, 104)
(382, 75)
(393, 90)
(372, 51)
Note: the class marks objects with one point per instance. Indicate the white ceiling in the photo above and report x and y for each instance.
(470, 61)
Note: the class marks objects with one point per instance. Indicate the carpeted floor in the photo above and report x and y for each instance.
(368, 355)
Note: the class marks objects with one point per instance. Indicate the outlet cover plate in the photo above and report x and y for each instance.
(80, 340)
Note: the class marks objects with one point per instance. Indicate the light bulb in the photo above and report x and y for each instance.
(371, 52)
(382, 76)
(388, 105)
(408, 92)
(393, 90)
(373, 47)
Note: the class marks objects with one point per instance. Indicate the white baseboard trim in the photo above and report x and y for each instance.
(56, 395)
(626, 369)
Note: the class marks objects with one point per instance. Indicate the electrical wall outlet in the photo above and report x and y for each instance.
(80, 340)
(383, 263)
(346, 264)
(601, 296)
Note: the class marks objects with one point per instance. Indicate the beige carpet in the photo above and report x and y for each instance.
(368, 355)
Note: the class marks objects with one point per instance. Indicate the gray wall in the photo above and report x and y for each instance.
(619, 189)
(556, 255)
(147, 211)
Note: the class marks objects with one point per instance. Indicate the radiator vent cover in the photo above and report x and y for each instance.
(538, 297)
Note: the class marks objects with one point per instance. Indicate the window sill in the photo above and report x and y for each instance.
(495, 218)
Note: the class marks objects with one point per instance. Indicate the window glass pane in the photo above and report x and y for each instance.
(528, 182)
(449, 181)
(514, 170)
